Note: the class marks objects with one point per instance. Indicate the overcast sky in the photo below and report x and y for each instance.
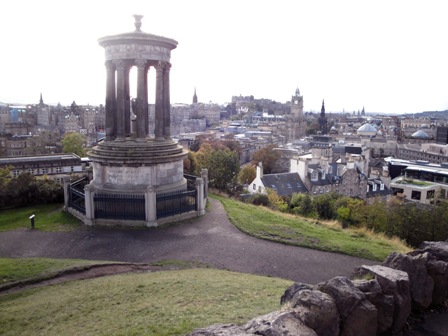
(388, 56)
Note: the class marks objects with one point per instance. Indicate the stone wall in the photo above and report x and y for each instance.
(378, 300)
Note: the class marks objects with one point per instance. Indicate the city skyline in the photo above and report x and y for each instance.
(385, 56)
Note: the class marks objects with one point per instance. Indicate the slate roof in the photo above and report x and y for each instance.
(353, 150)
(284, 184)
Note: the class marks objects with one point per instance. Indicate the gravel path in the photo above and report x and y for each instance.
(210, 239)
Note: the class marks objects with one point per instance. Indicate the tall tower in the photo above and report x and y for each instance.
(195, 97)
(296, 122)
(323, 120)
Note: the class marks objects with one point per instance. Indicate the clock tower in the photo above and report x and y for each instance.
(296, 120)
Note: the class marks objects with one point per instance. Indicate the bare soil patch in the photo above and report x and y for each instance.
(81, 273)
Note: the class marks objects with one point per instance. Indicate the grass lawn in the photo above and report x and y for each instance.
(264, 223)
(161, 303)
(12, 269)
(48, 217)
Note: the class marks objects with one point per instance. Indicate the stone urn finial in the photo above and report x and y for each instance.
(138, 22)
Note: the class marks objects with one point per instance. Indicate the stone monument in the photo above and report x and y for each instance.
(128, 160)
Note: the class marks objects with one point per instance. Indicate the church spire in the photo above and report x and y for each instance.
(41, 101)
(195, 97)
(323, 120)
(322, 110)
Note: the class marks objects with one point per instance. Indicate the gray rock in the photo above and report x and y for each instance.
(278, 323)
(438, 270)
(421, 284)
(358, 316)
(437, 249)
(293, 289)
(317, 310)
(220, 330)
(384, 304)
(395, 283)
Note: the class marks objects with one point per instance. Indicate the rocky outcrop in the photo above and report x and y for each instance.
(278, 323)
(421, 283)
(379, 299)
(316, 310)
(358, 316)
(383, 303)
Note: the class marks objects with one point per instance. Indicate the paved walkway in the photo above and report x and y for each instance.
(210, 239)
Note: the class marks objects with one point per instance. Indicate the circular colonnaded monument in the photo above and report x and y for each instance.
(129, 161)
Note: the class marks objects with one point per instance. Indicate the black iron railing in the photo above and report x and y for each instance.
(174, 203)
(76, 199)
(120, 206)
(79, 184)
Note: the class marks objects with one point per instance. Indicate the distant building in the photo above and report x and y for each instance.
(323, 122)
(284, 184)
(54, 166)
(419, 181)
(296, 126)
(442, 135)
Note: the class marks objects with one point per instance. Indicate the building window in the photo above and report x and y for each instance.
(323, 176)
(44, 170)
(314, 176)
(430, 194)
(31, 171)
(416, 195)
(374, 187)
(58, 170)
(15, 172)
(72, 169)
(382, 186)
(254, 186)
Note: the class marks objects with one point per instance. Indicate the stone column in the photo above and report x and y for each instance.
(127, 105)
(111, 109)
(151, 206)
(158, 131)
(145, 107)
(89, 204)
(121, 101)
(200, 200)
(66, 181)
(142, 100)
(166, 102)
(204, 175)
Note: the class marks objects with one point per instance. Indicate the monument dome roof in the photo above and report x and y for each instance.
(420, 135)
(366, 129)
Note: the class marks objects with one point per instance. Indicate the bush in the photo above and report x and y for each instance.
(25, 189)
(259, 199)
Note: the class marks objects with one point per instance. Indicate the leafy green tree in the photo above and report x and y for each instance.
(301, 204)
(275, 201)
(324, 205)
(247, 174)
(223, 168)
(190, 163)
(267, 156)
(223, 164)
(74, 143)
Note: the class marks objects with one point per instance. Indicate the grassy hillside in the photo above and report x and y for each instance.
(48, 217)
(264, 223)
(161, 303)
(15, 269)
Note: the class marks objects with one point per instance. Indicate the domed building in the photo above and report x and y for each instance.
(420, 135)
(366, 130)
